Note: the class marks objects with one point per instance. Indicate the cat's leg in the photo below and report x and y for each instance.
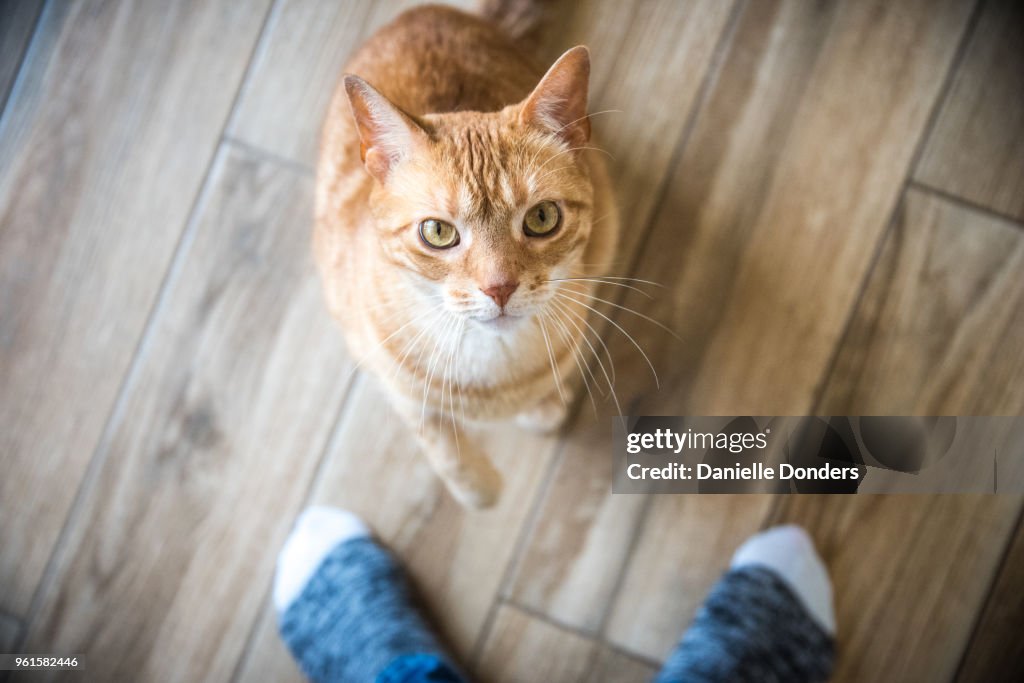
(458, 460)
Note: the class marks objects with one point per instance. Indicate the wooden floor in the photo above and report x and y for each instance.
(832, 193)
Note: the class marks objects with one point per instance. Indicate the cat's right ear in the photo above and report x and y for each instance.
(386, 133)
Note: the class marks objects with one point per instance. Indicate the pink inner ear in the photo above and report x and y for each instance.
(386, 133)
(559, 102)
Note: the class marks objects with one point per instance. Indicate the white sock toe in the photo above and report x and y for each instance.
(317, 531)
(789, 552)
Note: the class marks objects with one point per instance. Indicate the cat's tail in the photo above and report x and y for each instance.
(519, 19)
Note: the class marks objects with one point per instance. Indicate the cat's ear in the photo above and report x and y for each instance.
(386, 133)
(559, 102)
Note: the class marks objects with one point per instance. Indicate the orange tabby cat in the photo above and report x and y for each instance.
(461, 218)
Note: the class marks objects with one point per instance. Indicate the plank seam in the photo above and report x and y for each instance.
(549, 620)
(525, 535)
(710, 79)
(268, 156)
(965, 203)
(708, 82)
(627, 562)
(989, 595)
(333, 434)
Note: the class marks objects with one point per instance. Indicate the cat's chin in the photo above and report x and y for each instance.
(502, 324)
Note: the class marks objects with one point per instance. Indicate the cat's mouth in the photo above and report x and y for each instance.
(501, 322)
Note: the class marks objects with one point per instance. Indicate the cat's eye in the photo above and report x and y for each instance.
(438, 234)
(542, 220)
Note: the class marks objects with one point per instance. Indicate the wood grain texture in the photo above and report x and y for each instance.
(613, 666)
(647, 78)
(763, 238)
(523, 648)
(976, 149)
(17, 22)
(576, 550)
(456, 557)
(774, 212)
(940, 327)
(938, 331)
(996, 651)
(221, 433)
(684, 546)
(99, 165)
(908, 574)
(297, 68)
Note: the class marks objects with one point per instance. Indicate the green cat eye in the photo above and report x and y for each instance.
(542, 220)
(438, 234)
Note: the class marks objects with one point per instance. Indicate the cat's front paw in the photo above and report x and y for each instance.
(548, 416)
(479, 491)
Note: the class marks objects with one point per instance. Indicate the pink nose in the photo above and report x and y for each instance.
(501, 293)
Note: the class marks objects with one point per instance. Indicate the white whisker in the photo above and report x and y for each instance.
(431, 366)
(551, 357)
(601, 282)
(597, 357)
(600, 340)
(628, 310)
(574, 345)
(654, 372)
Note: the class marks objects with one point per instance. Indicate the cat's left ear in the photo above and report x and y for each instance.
(559, 102)
(386, 133)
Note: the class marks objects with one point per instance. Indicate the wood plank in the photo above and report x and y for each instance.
(649, 76)
(685, 545)
(782, 214)
(939, 332)
(294, 75)
(976, 149)
(100, 165)
(996, 651)
(522, 648)
(613, 666)
(17, 23)
(940, 329)
(456, 557)
(267, 657)
(222, 430)
(582, 537)
(910, 574)
(768, 226)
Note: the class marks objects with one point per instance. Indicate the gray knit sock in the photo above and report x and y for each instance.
(355, 619)
(768, 619)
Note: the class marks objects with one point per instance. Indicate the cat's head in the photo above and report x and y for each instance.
(483, 212)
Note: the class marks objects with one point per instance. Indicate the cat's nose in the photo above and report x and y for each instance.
(501, 293)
